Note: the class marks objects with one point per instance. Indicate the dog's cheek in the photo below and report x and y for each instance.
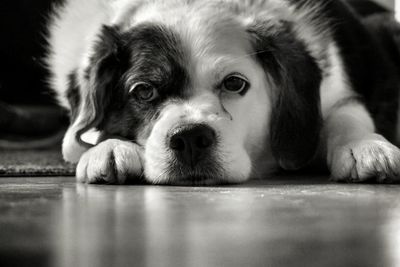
(258, 141)
(231, 153)
(156, 158)
(244, 145)
(236, 163)
(257, 120)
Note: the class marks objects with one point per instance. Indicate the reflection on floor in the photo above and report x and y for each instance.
(281, 222)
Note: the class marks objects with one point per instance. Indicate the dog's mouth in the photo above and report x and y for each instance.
(205, 172)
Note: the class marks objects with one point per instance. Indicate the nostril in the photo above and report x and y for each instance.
(204, 141)
(177, 143)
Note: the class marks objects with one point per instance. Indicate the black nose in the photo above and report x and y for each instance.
(191, 143)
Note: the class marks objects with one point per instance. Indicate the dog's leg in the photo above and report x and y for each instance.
(355, 152)
(112, 161)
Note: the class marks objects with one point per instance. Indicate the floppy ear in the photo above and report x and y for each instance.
(296, 118)
(90, 97)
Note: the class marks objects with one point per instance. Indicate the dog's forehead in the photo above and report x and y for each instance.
(212, 37)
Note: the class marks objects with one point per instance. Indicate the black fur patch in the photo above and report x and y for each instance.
(73, 95)
(146, 53)
(296, 118)
(383, 100)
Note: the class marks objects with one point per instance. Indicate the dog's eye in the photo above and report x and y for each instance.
(144, 91)
(235, 84)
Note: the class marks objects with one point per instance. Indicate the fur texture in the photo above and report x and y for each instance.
(274, 81)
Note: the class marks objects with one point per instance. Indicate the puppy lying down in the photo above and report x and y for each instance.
(204, 92)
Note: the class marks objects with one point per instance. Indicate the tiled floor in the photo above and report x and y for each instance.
(282, 222)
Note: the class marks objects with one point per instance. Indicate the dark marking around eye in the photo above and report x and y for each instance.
(157, 57)
(154, 55)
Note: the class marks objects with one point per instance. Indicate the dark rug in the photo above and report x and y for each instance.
(30, 141)
(46, 162)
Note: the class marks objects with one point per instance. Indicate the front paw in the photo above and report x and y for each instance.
(366, 159)
(111, 161)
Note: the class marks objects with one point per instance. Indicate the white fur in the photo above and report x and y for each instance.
(94, 164)
(72, 33)
(335, 86)
(354, 152)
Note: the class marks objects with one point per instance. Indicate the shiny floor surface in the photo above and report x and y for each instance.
(282, 222)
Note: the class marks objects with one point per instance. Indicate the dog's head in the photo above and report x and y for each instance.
(209, 95)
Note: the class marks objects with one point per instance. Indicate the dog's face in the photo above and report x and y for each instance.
(207, 98)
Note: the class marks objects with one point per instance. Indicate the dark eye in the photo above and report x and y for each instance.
(235, 84)
(144, 91)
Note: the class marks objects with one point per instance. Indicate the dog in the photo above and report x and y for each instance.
(200, 92)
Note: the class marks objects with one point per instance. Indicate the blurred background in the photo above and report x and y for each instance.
(22, 71)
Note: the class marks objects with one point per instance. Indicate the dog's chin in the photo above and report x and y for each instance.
(204, 174)
(196, 180)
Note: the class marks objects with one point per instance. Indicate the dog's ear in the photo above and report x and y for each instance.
(295, 118)
(89, 94)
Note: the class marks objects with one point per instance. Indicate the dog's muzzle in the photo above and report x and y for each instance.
(192, 143)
